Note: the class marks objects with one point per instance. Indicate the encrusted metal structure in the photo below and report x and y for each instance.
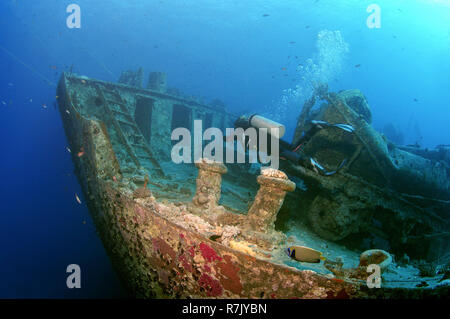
(201, 230)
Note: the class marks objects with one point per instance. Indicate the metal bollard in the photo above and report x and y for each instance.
(269, 199)
(209, 183)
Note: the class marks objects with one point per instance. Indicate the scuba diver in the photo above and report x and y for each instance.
(289, 151)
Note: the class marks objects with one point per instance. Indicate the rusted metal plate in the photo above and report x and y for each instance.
(155, 257)
(184, 264)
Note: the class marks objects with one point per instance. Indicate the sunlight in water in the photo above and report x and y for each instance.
(324, 67)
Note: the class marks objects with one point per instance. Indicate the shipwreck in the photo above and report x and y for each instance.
(210, 230)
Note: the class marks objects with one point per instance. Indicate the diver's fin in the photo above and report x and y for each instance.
(345, 127)
(320, 124)
(323, 124)
(338, 169)
(320, 169)
(316, 164)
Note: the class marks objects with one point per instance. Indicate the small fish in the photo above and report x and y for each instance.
(292, 42)
(83, 81)
(214, 237)
(357, 65)
(78, 199)
(3, 102)
(338, 280)
(54, 67)
(265, 15)
(57, 97)
(114, 179)
(307, 27)
(67, 111)
(415, 145)
(44, 106)
(68, 149)
(345, 127)
(283, 69)
(416, 100)
(31, 100)
(81, 153)
(10, 84)
(305, 254)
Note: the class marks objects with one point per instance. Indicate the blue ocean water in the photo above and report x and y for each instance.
(253, 55)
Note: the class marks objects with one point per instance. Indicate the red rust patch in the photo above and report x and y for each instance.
(186, 265)
(212, 286)
(191, 251)
(163, 247)
(229, 275)
(342, 294)
(208, 253)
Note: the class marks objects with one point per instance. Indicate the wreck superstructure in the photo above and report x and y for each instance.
(382, 191)
(205, 229)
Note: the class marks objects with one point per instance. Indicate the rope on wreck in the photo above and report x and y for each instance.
(30, 68)
(426, 198)
(101, 64)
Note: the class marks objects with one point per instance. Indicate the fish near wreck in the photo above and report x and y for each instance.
(305, 254)
(207, 230)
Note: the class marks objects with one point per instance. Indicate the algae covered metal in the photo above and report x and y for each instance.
(214, 230)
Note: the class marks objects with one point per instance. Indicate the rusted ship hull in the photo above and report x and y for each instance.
(156, 258)
(161, 259)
